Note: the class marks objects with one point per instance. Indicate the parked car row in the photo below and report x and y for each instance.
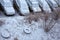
(24, 6)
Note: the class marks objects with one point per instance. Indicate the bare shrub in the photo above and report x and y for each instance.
(56, 14)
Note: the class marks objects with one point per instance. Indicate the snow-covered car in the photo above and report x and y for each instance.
(23, 7)
(33, 4)
(58, 2)
(8, 7)
(44, 5)
(52, 4)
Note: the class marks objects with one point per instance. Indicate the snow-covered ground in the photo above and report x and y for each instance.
(18, 28)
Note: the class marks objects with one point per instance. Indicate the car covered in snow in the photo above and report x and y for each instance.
(33, 4)
(8, 7)
(22, 6)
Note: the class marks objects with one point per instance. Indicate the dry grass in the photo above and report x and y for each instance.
(15, 38)
(55, 15)
(46, 15)
(34, 17)
(1, 22)
(49, 26)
